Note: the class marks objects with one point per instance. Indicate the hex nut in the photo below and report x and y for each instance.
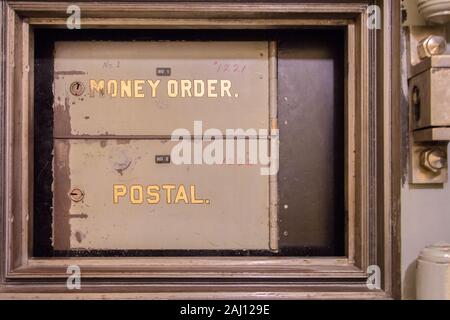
(431, 46)
(433, 159)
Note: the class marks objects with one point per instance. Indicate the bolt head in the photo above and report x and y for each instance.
(433, 160)
(431, 46)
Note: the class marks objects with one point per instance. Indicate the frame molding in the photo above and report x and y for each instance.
(373, 170)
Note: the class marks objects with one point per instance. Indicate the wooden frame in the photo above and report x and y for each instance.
(373, 170)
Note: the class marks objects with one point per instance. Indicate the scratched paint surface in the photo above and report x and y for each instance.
(122, 123)
(224, 84)
(234, 213)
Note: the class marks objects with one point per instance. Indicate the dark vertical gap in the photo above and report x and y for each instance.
(43, 145)
(339, 146)
(311, 181)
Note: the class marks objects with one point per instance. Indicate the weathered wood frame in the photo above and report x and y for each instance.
(373, 169)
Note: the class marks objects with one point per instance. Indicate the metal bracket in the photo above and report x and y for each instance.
(429, 101)
(429, 123)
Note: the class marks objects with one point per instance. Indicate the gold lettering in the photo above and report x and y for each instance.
(175, 88)
(225, 86)
(153, 193)
(138, 88)
(172, 88)
(199, 88)
(194, 199)
(186, 86)
(168, 188)
(97, 86)
(211, 88)
(119, 190)
(125, 88)
(153, 85)
(140, 197)
(181, 195)
(112, 88)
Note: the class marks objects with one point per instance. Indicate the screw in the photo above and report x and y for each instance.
(77, 88)
(76, 195)
(434, 159)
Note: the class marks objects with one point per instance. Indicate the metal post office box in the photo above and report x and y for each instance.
(153, 88)
(115, 185)
(114, 194)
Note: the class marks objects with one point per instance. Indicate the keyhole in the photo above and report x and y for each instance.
(76, 195)
(416, 103)
(77, 88)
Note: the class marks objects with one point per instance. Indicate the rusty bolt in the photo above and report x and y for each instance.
(77, 88)
(433, 159)
(431, 46)
(76, 195)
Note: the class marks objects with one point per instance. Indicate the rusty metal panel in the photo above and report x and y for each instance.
(153, 87)
(106, 197)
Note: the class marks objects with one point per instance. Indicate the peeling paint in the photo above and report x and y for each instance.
(62, 123)
(69, 73)
(79, 236)
(161, 113)
(105, 225)
(61, 199)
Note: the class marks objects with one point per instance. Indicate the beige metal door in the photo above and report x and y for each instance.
(121, 90)
(116, 106)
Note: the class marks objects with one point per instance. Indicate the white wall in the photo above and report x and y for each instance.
(425, 220)
(425, 217)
